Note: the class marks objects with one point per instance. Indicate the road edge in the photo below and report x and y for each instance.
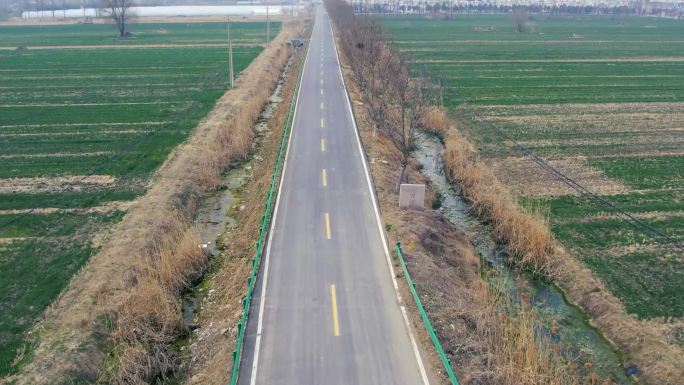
(374, 199)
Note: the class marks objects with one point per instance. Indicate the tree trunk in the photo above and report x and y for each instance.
(122, 27)
(402, 174)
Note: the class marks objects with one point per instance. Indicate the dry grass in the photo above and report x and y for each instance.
(527, 237)
(136, 278)
(435, 121)
(520, 353)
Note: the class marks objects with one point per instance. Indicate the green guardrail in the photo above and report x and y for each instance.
(426, 320)
(265, 223)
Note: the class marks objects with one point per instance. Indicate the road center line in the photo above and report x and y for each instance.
(336, 320)
(322, 123)
(412, 338)
(327, 226)
(324, 174)
(322, 145)
(321, 105)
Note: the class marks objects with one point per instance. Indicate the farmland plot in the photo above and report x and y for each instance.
(82, 129)
(602, 100)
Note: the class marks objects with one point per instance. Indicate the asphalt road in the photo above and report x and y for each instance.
(325, 310)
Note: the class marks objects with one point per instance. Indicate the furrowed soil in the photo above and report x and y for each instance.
(72, 340)
(601, 100)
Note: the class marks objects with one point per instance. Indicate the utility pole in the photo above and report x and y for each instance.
(441, 91)
(268, 25)
(230, 58)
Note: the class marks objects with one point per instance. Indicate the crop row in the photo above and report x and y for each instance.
(541, 28)
(152, 33)
(72, 113)
(597, 93)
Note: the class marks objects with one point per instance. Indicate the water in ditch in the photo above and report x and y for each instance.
(216, 214)
(575, 329)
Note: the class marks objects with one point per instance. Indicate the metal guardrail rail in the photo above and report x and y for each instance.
(265, 223)
(426, 320)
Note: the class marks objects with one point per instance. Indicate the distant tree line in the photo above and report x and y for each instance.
(447, 9)
(397, 101)
(48, 7)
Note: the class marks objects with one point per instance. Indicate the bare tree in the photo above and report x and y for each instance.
(412, 102)
(373, 50)
(120, 12)
(520, 19)
(397, 102)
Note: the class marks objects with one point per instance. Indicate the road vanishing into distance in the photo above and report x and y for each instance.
(325, 310)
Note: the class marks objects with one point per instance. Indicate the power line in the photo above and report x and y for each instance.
(230, 58)
(659, 236)
(644, 227)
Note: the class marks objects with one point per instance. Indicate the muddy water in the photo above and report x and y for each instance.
(215, 217)
(576, 334)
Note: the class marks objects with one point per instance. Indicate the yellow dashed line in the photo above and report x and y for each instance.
(335, 317)
(327, 226)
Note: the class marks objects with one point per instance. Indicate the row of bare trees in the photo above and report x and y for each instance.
(397, 101)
